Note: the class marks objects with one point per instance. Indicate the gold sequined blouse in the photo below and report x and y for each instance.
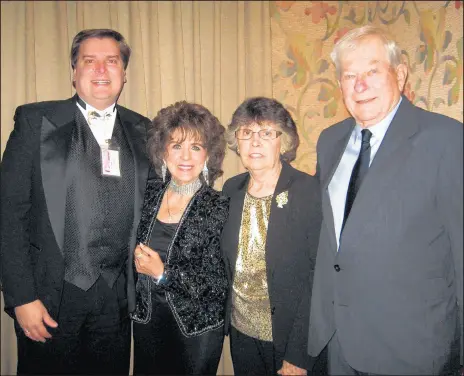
(251, 312)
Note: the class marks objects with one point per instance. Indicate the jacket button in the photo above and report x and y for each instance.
(337, 267)
(272, 310)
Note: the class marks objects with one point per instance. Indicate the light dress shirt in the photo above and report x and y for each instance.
(338, 186)
(102, 127)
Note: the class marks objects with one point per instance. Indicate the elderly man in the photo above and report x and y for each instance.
(73, 177)
(388, 286)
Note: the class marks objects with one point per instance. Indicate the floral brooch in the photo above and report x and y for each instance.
(282, 199)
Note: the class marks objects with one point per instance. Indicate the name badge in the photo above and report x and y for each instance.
(110, 161)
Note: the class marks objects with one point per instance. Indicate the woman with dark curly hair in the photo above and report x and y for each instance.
(269, 243)
(181, 282)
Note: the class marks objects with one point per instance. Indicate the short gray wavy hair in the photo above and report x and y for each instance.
(262, 110)
(351, 40)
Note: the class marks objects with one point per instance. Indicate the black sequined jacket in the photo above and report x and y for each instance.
(194, 279)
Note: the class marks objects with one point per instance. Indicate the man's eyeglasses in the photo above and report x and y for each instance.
(264, 134)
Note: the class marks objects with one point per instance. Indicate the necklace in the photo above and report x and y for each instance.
(186, 189)
(172, 215)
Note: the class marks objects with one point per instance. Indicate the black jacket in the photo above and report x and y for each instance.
(33, 198)
(194, 274)
(291, 246)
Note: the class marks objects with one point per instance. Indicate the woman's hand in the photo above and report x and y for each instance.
(148, 261)
(290, 369)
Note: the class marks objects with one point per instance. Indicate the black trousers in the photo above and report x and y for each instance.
(250, 356)
(92, 337)
(160, 348)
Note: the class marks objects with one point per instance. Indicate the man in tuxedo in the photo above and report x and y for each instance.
(73, 179)
(388, 286)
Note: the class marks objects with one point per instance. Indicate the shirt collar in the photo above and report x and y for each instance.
(378, 130)
(86, 108)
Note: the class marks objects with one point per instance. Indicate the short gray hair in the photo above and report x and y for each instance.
(351, 40)
(262, 110)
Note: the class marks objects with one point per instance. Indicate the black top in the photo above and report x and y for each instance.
(161, 238)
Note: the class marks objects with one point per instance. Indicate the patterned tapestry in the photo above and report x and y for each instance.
(303, 35)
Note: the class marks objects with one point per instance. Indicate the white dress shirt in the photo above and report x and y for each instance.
(102, 127)
(338, 186)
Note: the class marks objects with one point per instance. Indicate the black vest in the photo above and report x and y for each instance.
(99, 210)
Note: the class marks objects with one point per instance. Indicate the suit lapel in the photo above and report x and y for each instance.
(395, 149)
(340, 146)
(232, 231)
(333, 162)
(278, 221)
(135, 133)
(56, 134)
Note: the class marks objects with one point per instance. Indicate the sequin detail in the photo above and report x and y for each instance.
(195, 279)
(251, 312)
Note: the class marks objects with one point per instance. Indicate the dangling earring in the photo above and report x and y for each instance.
(205, 173)
(238, 151)
(163, 170)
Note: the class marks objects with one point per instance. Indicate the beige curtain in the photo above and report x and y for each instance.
(215, 53)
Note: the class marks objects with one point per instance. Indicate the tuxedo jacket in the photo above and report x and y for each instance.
(291, 246)
(394, 290)
(33, 199)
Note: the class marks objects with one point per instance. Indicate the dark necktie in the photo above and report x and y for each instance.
(359, 172)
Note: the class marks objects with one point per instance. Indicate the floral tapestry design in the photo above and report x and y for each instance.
(304, 33)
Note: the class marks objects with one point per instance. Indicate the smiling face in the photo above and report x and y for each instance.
(99, 72)
(371, 87)
(258, 154)
(185, 159)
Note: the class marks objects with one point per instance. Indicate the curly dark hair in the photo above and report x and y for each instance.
(262, 110)
(192, 119)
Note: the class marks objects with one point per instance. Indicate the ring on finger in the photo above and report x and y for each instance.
(139, 255)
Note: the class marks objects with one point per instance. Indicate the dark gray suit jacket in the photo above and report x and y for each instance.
(33, 198)
(394, 290)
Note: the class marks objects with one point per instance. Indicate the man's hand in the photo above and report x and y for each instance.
(290, 369)
(32, 317)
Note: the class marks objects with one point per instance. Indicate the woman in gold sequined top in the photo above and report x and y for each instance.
(269, 244)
